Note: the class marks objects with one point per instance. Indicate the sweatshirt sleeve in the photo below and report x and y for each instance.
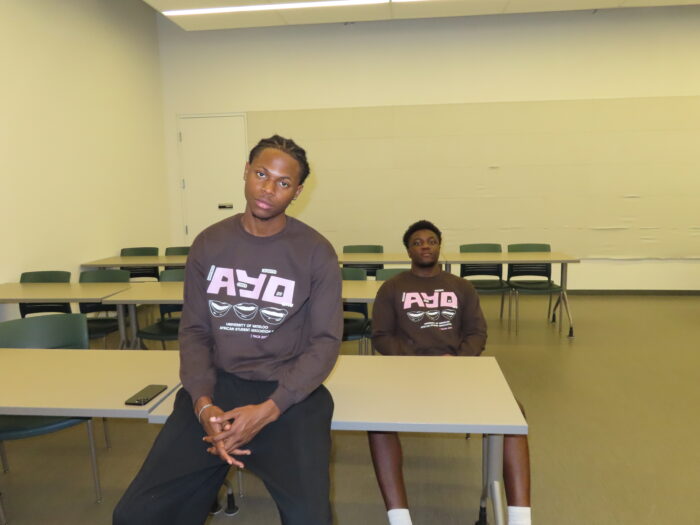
(197, 371)
(473, 324)
(384, 326)
(325, 331)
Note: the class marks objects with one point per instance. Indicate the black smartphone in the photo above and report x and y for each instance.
(144, 395)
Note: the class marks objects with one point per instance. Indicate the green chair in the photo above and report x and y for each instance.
(166, 329)
(140, 271)
(532, 278)
(355, 328)
(371, 269)
(495, 286)
(176, 250)
(46, 331)
(26, 309)
(387, 273)
(101, 327)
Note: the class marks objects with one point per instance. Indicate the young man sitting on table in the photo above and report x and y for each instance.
(404, 323)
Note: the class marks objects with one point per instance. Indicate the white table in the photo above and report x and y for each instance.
(63, 292)
(465, 395)
(173, 293)
(137, 261)
(82, 383)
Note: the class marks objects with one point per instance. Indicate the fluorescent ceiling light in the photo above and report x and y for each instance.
(275, 7)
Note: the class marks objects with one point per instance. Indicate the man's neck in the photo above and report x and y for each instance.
(263, 228)
(430, 271)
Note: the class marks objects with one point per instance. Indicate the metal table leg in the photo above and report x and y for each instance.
(494, 476)
(565, 297)
(121, 320)
(134, 326)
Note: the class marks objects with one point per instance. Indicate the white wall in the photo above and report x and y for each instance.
(609, 54)
(81, 134)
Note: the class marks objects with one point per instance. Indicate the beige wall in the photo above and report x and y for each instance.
(622, 148)
(81, 135)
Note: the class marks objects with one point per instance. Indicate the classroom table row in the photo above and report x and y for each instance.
(447, 259)
(468, 395)
(129, 295)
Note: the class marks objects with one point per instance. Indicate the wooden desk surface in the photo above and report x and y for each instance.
(416, 394)
(137, 260)
(58, 292)
(149, 293)
(458, 257)
(172, 293)
(82, 383)
(507, 257)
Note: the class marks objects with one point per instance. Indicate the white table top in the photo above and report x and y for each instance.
(416, 394)
(172, 293)
(458, 257)
(58, 292)
(508, 257)
(82, 383)
(149, 293)
(137, 261)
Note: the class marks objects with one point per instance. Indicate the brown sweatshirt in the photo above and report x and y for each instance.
(263, 308)
(428, 316)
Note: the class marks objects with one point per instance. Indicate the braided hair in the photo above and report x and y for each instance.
(287, 146)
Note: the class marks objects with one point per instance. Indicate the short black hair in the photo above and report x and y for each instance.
(289, 147)
(421, 225)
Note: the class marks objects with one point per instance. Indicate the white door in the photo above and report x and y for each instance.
(213, 153)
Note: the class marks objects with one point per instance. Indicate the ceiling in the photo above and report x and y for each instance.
(386, 11)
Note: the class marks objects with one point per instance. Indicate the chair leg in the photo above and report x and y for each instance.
(3, 457)
(502, 299)
(105, 431)
(3, 519)
(549, 306)
(162, 343)
(93, 461)
(517, 311)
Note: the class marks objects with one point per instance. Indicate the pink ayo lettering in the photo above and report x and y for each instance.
(270, 288)
(424, 300)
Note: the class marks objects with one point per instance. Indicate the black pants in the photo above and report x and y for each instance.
(179, 479)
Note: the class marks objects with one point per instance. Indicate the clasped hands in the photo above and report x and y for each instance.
(228, 432)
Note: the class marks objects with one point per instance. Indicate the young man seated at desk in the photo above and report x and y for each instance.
(426, 311)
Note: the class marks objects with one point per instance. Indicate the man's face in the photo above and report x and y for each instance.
(424, 248)
(271, 183)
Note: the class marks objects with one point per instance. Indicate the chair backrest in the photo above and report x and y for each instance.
(44, 277)
(371, 269)
(174, 275)
(388, 273)
(46, 331)
(104, 276)
(134, 252)
(363, 248)
(530, 269)
(101, 276)
(471, 269)
(141, 271)
(177, 250)
(353, 274)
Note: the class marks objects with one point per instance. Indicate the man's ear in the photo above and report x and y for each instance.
(245, 170)
(298, 192)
